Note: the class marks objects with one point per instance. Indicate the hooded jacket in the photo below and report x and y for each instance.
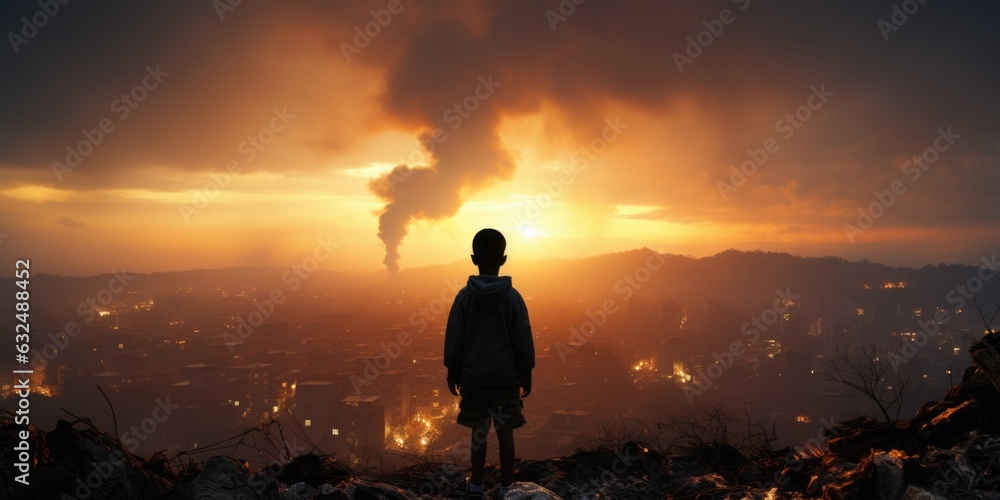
(488, 347)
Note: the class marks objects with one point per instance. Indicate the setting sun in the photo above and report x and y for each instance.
(530, 232)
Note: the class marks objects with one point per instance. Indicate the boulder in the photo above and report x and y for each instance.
(358, 489)
(917, 493)
(889, 482)
(529, 491)
(225, 478)
(953, 423)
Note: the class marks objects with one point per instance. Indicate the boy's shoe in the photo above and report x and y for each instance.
(474, 492)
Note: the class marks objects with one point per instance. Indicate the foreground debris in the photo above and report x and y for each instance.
(949, 449)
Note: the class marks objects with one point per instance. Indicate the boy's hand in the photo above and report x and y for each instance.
(453, 387)
(525, 390)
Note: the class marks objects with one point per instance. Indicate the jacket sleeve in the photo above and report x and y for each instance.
(522, 341)
(454, 335)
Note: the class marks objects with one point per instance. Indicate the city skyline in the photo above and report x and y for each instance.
(228, 349)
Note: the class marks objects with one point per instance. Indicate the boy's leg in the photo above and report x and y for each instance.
(478, 458)
(506, 439)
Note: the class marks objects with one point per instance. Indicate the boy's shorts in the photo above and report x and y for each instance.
(505, 414)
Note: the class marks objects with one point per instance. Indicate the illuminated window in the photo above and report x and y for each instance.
(335, 432)
(121, 346)
(236, 403)
(309, 423)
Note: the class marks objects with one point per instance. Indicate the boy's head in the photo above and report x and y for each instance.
(488, 247)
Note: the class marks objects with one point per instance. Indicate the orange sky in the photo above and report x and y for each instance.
(251, 133)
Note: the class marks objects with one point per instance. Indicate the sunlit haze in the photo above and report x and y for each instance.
(239, 137)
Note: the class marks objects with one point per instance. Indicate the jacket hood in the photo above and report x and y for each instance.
(488, 290)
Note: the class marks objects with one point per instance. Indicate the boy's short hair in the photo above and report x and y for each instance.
(489, 244)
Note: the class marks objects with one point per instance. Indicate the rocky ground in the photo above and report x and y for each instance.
(949, 449)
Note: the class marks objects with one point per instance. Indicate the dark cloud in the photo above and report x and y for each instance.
(936, 70)
(892, 95)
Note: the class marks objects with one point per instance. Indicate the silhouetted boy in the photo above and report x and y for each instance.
(489, 353)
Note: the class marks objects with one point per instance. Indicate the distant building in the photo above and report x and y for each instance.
(204, 374)
(363, 423)
(671, 317)
(204, 399)
(317, 409)
(256, 382)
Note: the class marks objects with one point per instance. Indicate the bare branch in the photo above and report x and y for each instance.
(989, 322)
(862, 369)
